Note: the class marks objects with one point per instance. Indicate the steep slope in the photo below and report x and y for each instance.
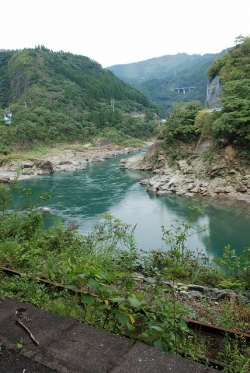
(159, 78)
(156, 68)
(232, 69)
(206, 152)
(56, 96)
(164, 91)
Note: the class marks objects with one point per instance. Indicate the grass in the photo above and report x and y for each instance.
(10, 157)
(104, 266)
(40, 150)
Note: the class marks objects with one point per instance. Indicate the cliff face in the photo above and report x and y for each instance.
(224, 176)
(213, 90)
(153, 160)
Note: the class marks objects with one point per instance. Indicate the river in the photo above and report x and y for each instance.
(84, 196)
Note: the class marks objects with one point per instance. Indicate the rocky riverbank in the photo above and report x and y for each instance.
(224, 176)
(59, 160)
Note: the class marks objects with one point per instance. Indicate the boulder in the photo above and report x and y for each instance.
(241, 188)
(229, 189)
(218, 170)
(184, 167)
(199, 288)
(242, 299)
(219, 190)
(194, 294)
(27, 164)
(28, 168)
(29, 171)
(45, 167)
(230, 153)
(152, 160)
(4, 179)
(190, 186)
(221, 294)
(132, 163)
(196, 189)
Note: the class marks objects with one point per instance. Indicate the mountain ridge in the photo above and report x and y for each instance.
(158, 77)
(59, 96)
(156, 67)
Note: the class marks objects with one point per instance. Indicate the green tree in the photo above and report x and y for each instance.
(180, 126)
(233, 70)
(57, 96)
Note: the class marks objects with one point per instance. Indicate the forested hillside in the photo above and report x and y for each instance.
(232, 122)
(233, 69)
(158, 78)
(57, 96)
(156, 68)
(164, 93)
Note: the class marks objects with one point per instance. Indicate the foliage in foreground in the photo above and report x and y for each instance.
(116, 288)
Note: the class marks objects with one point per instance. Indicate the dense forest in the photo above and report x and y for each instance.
(232, 122)
(57, 96)
(157, 68)
(233, 69)
(159, 77)
(164, 93)
(104, 280)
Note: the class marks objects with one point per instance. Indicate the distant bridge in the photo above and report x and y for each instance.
(184, 89)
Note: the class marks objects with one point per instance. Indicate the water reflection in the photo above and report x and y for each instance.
(227, 221)
(84, 196)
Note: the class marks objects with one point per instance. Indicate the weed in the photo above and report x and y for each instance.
(101, 267)
(234, 355)
(20, 344)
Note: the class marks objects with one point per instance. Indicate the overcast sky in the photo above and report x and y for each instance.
(118, 32)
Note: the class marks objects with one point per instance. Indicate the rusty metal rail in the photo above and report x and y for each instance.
(192, 324)
(12, 272)
(206, 330)
(214, 329)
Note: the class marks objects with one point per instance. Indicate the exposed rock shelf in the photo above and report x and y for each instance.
(225, 176)
(58, 161)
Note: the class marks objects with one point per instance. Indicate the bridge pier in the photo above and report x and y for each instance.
(184, 89)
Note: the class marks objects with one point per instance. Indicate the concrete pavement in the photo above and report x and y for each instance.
(67, 346)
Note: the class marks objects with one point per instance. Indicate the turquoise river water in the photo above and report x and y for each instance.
(84, 196)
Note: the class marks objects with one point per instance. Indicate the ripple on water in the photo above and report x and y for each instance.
(85, 195)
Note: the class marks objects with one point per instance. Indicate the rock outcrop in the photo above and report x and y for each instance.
(66, 160)
(154, 160)
(213, 90)
(223, 177)
(198, 292)
(4, 179)
(36, 167)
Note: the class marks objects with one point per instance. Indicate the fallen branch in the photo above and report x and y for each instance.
(28, 331)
